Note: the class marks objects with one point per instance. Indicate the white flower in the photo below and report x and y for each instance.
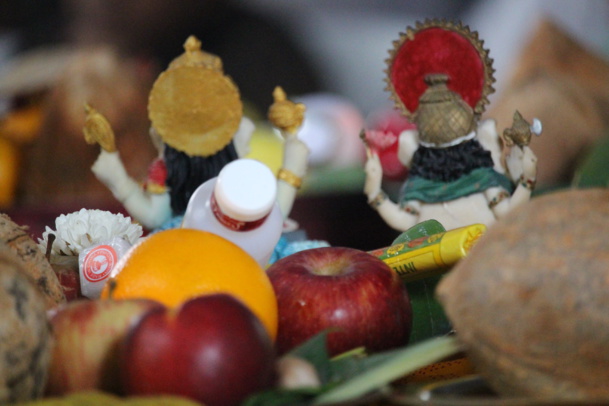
(79, 230)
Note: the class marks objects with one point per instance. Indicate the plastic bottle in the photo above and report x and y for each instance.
(95, 264)
(240, 204)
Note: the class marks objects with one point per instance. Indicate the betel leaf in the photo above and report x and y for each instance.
(429, 319)
(428, 316)
(344, 368)
(353, 375)
(593, 170)
(331, 370)
(379, 374)
(315, 351)
(283, 397)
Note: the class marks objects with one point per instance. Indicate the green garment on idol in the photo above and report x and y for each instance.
(431, 191)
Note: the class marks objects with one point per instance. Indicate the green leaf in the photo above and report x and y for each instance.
(593, 171)
(428, 316)
(315, 351)
(389, 368)
(279, 397)
(429, 319)
(353, 374)
(339, 368)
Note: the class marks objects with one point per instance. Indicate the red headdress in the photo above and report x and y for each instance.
(439, 47)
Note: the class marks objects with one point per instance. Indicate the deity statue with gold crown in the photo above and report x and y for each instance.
(461, 171)
(198, 126)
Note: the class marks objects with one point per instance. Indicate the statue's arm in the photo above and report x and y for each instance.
(395, 217)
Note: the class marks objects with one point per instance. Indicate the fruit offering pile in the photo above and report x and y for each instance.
(188, 317)
(187, 313)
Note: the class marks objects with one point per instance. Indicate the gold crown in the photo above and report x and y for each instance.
(194, 56)
(442, 115)
(193, 106)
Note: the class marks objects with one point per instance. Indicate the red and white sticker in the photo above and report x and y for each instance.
(98, 263)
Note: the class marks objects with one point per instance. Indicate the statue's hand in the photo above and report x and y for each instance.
(374, 176)
(296, 154)
(285, 114)
(97, 130)
(529, 164)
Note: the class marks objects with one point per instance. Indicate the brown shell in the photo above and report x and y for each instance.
(530, 301)
(25, 333)
(35, 263)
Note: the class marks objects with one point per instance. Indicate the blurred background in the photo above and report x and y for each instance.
(550, 58)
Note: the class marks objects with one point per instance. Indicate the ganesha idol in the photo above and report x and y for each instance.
(460, 170)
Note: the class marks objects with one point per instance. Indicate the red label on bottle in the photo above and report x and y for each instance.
(98, 263)
(231, 223)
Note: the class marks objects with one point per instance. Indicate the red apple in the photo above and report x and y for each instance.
(69, 279)
(344, 289)
(87, 335)
(212, 349)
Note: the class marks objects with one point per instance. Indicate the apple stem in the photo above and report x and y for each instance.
(50, 241)
(111, 288)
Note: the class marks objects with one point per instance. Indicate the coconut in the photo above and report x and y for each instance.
(25, 333)
(34, 262)
(530, 302)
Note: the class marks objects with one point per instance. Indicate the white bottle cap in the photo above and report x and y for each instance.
(245, 190)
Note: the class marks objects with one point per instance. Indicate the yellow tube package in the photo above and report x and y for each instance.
(430, 255)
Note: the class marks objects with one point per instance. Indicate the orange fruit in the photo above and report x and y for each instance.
(174, 265)
(9, 172)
